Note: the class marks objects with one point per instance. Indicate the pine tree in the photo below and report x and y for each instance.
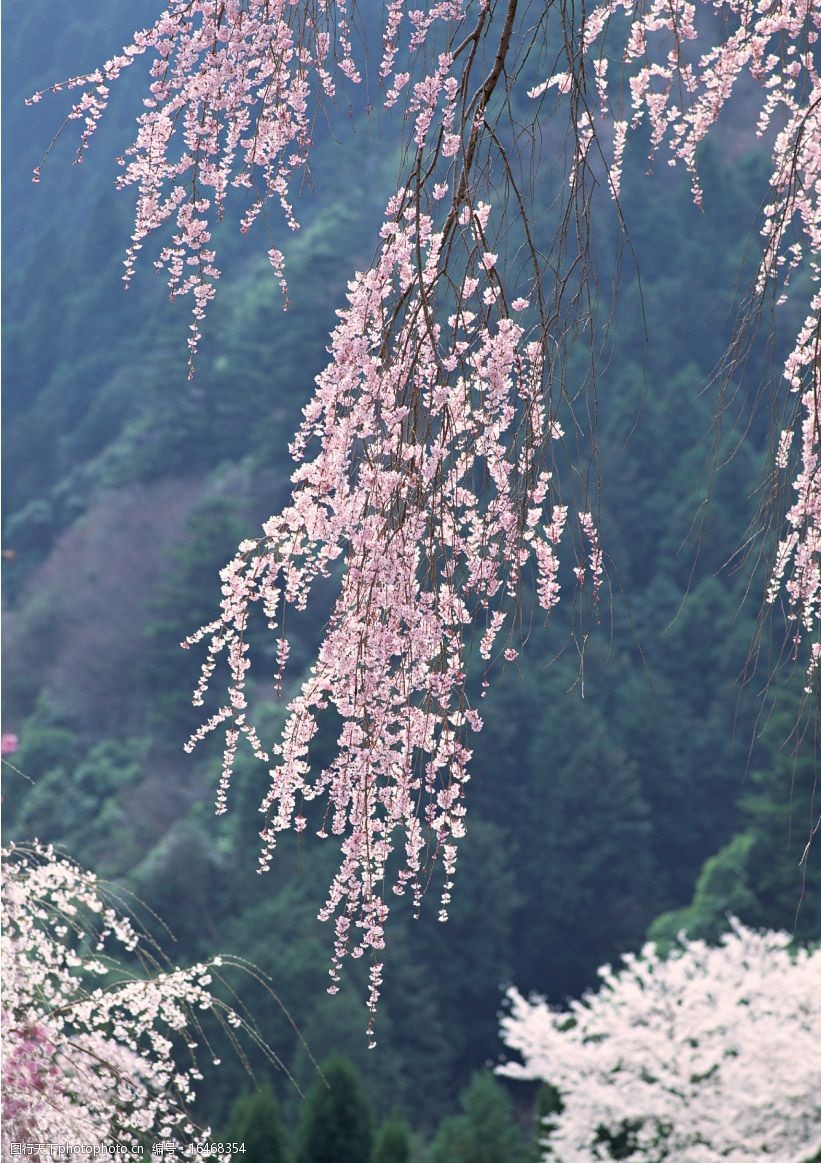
(393, 1143)
(486, 1131)
(763, 875)
(336, 1125)
(255, 1123)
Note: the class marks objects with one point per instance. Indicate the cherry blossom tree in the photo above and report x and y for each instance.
(427, 479)
(707, 1053)
(93, 1052)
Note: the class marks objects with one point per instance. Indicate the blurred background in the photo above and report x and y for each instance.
(626, 782)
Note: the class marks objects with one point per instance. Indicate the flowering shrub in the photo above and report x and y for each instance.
(91, 1053)
(708, 1053)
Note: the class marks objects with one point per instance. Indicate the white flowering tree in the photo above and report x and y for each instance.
(708, 1053)
(93, 1053)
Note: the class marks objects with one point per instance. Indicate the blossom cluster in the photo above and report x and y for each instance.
(421, 474)
(91, 1052)
(707, 1053)
(234, 91)
(684, 62)
(9, 743)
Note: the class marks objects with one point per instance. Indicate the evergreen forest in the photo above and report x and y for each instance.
(645, 766)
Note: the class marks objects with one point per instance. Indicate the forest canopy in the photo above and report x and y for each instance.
(490, 429)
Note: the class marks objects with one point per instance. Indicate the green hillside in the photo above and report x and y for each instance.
(624, 780)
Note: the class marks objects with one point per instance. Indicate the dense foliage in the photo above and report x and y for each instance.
(485, 1131)
(336, 1123)
(255, 1122)
(620, 774)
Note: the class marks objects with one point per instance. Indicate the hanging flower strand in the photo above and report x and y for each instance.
(233, 94)
(680, 94)
(431, 548)
(424, 474)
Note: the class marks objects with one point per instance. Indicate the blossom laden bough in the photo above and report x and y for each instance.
(434, 547)
(234, 91)
(92, 1052)
(683, 63)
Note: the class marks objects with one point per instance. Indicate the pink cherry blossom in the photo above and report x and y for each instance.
(9, 743)
(683, 63)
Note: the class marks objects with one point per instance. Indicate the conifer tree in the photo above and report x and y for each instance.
(255, 1123)
(336, 1124)
(486, 1131)
(766, 874)
(393, 1143)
